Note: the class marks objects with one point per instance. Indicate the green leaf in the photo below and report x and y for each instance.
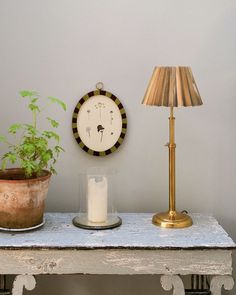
(54, 123)
(52, 170)
(29, 167)
(28, 148)
(33, 107)
(34, 100)
(51, 134)
(13, 128)
(40, 144)
(4, 164)
(31, 129)
(28, 93)
(58, 101)
(3, 138)
(45, 157)
(59, 149)
(10, 157)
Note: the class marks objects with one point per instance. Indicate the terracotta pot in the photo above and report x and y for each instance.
(22, 200)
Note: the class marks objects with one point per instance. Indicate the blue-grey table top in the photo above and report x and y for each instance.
(136, 232)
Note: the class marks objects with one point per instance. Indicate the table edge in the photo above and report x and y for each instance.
(114, 248)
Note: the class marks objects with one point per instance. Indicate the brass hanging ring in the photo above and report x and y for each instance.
(99, 86)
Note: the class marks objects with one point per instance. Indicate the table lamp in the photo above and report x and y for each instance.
(172, 87)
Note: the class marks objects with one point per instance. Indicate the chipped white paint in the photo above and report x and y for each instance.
(175, 282)
(137, 247)
(218, 282)
(117, 261)
(22, 281)
(137, 231)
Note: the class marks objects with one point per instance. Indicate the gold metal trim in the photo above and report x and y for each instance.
(172, 218)
(99, 86)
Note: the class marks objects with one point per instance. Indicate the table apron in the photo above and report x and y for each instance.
(116, 261)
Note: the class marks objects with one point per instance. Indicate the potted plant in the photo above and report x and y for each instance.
(24, 189)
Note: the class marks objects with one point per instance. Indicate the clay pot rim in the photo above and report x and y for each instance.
(28, 180)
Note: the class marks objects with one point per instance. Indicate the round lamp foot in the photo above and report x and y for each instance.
(172, 219)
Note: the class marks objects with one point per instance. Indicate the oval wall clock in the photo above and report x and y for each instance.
(99, 122)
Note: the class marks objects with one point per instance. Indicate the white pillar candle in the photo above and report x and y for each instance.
(97, 199)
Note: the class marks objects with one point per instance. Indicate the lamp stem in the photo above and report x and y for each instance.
(172, 147)
(172, 218)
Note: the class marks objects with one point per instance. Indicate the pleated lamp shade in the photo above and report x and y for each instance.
(172, 87)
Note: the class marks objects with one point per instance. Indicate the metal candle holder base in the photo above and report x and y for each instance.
(83, 222)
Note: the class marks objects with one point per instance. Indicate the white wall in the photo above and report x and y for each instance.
(63, 47)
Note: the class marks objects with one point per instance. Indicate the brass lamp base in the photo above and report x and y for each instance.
(172, 219)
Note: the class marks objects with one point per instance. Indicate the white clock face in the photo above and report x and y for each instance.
(99, 123)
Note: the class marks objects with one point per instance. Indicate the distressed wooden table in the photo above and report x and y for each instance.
(137, 247)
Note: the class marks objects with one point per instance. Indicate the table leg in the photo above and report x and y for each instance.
(217, 282)
(173, 281)
(21, 281)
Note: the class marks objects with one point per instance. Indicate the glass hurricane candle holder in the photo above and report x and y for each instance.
(96, 208)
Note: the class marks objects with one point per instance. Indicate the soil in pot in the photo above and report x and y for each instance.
(22, 200)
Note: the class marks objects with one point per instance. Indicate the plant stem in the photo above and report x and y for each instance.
(34, 119)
